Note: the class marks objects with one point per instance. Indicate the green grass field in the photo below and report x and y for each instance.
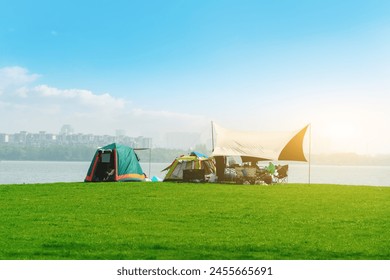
(115, 221)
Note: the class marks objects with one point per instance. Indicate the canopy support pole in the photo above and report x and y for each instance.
(150, 160)
(309, 154)
(212, 136)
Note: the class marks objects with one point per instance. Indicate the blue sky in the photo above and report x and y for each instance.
(152, 67)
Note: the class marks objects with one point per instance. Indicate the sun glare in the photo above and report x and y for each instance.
(341, 136)
(340, 132)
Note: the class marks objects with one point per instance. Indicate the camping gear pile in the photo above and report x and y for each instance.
(256, 175)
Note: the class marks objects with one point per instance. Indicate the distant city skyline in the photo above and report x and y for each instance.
(67, 134)
(42, 138)
(155, 67)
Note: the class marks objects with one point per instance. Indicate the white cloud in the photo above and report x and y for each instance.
(16, 75)
(13, 77)
(84, 97)
(35, 107)
(22, 92)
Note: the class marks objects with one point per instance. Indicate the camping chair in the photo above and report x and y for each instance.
(282, 174)
(264, 176)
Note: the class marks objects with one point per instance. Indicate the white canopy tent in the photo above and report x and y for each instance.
(261, 145)
(258, 146)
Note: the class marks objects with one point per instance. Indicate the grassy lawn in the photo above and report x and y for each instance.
(193, 221)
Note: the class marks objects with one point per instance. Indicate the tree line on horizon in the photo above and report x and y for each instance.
(164, 155)
(85, 153)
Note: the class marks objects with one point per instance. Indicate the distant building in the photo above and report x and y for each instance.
(67, 129)
(143, 142)
(4, 138)
(20, 138)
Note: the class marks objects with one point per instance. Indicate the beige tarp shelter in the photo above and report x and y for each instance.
(259, 145)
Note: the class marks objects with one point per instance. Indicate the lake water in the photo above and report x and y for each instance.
(19, 172)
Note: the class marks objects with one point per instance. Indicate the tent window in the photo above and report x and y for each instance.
(106, 157)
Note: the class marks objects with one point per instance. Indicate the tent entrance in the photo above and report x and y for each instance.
(105, 167)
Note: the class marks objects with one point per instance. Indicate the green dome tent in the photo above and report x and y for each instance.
(115, 162)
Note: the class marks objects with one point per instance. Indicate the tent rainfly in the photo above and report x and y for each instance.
(259, 146)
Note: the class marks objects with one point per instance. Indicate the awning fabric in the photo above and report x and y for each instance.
(255, 145)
